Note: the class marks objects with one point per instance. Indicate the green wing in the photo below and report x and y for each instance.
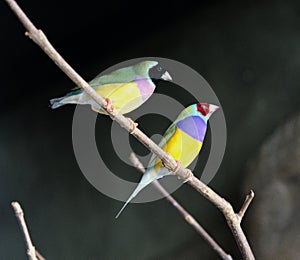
(166, 137)
(170, 132)
(122, 75)
(126, 74)
(117, 76)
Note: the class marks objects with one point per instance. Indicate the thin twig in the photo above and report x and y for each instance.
(246, 204)
(185, 214)
(31, 251)
(39, 256)
(169, 162)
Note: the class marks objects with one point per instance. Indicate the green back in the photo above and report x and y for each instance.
(122, 75)
(127, 74)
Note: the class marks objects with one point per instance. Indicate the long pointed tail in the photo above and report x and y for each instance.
(147, 178)
(124, 206)
(132, 196)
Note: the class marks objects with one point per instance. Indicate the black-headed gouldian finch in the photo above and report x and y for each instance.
(125, 89)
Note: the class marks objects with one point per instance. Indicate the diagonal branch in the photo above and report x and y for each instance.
(185, 214)
(32, 253)
(224, 206)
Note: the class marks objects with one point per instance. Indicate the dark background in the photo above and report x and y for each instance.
(249, 53)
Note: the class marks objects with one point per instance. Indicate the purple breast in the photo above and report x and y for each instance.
(145, 86)
(194, 126)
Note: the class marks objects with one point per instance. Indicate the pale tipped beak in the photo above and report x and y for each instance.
(166, 76)
(213, 108)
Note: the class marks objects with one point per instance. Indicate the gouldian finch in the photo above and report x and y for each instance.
(183, 140)
(124, 89)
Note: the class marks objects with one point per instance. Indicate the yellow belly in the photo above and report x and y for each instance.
(125, 97)
(182, 147)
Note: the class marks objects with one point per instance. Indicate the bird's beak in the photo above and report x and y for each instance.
(213, 108)
(166, 76)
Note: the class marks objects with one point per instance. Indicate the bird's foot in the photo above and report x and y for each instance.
(189, 175)
(109, 106)
(173, 172)
(133, 125)
(177, 166)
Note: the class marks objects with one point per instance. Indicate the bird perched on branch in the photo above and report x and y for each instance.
(183, 140)
(124, 89)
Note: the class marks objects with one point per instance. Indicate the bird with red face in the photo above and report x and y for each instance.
(183, 140)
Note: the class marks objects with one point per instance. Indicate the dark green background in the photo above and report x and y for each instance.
(249, 53)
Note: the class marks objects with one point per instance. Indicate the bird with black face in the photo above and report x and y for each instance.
(124, 89)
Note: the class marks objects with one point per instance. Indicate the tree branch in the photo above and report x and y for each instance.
(246, 204)
(185, 214)
(225, 207)
(32, 253)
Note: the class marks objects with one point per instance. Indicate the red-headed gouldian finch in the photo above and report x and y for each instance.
(183, 140)
(126, 88)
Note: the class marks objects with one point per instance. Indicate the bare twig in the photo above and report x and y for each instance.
(169, 162)
(39, 256)
(246, 204)
(32, 253)
(185, 214)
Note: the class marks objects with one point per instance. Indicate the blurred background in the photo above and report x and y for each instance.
(248, 52)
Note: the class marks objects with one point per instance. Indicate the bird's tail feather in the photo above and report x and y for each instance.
(71, 99)
(55, 102)
(143, 183)
(124, 206)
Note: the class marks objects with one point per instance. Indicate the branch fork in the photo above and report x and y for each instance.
(185, 214)
(245, 206)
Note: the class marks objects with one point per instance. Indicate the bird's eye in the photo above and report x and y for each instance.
(159, 68)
